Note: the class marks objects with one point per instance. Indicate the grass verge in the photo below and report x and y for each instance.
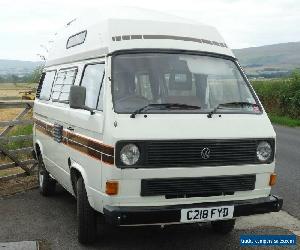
(284, 120)
(20, 130)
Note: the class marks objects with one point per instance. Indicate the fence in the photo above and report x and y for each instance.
(14, 155)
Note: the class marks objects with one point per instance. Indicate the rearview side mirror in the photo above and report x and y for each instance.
(77, 98)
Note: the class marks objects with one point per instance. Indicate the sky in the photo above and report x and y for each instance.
(27, 26)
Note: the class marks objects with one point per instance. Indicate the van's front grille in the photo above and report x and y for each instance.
(201, 152)
(203, 186)
(195, 153)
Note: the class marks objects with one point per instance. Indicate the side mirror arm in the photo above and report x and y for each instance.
(92, 111)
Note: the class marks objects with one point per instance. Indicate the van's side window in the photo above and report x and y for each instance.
(92, 80)
(47, 85)
(61, 88)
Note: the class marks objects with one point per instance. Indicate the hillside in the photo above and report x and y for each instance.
(17, 67)
(270, 59)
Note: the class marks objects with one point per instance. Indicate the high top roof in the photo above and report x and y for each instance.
(113, 29)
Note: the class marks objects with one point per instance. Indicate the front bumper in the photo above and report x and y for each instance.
(171, 214)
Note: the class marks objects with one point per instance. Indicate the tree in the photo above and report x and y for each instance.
(35, 76)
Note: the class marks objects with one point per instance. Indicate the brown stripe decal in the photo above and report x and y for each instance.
(91, 143)
(85, 145)
(44, 127)
(88, 151)
(108, 159)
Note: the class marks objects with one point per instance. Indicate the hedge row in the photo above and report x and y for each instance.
(280, 96)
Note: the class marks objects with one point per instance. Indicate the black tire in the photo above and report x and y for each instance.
(223, 226)
(86, 216)
(46, 183)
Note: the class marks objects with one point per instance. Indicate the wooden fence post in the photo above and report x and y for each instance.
(29, 164)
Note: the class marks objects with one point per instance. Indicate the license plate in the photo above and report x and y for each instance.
(206, 214)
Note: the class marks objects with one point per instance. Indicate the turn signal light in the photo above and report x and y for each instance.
(112, 187)
(273, 178)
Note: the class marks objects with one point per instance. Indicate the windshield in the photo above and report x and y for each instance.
(185, 80)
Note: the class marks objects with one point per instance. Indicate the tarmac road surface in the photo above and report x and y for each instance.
(288, 168)
(52, 220)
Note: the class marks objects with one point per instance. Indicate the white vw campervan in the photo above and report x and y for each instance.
(149, 119)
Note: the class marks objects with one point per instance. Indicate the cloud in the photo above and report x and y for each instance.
(24, 25)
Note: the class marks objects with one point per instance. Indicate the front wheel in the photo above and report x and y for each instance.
(46, 183)
(86, 215)
(223, 226)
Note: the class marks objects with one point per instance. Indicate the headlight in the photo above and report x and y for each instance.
(264, 151)
(130, 154)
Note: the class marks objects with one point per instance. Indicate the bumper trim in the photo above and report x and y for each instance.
(171, 214)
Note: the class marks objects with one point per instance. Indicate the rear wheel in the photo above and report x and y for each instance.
(223, 226)
(86, 215)
(46, 183)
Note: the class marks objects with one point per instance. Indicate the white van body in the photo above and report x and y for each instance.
(75, 142)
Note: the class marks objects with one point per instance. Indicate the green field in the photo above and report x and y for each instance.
(281, 98)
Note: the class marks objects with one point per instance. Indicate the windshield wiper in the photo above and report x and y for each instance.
(240, 104)
(163, 106)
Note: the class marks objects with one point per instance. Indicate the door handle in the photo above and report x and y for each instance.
(70, 128)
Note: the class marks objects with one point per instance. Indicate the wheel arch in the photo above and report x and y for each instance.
(77, 171)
